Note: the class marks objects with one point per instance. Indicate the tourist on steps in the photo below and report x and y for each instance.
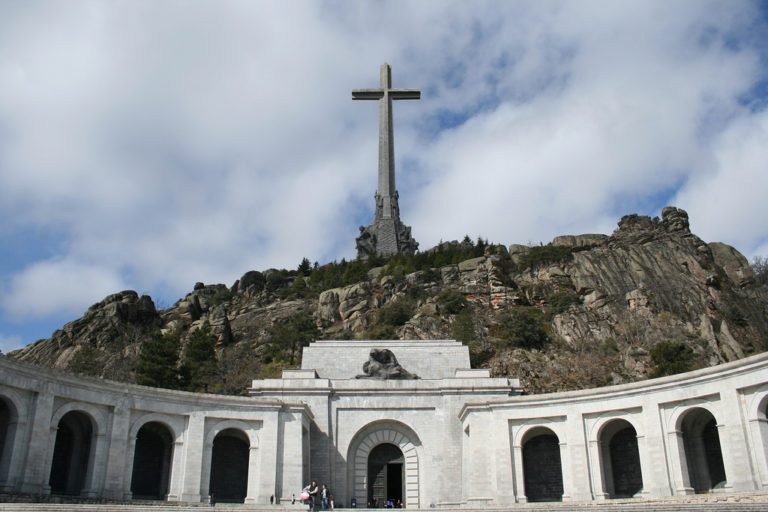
(312, 491)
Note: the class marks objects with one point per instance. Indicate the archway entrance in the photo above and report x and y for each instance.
(542, 470)
(702, 450)
(362, 446)
(620, 460)
(152, 462)
(71, 454)
(229, 466)
(385, 475)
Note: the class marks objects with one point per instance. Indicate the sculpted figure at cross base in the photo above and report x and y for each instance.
(366, 242)
(382, 364)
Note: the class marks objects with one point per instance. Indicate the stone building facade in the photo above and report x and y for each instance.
(453, 437)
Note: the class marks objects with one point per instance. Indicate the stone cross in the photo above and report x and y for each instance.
(385, 94)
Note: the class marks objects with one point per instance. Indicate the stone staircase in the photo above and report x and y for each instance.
(748, 502)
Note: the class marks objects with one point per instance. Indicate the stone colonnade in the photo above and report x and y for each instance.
(704, 431)
(61, 434)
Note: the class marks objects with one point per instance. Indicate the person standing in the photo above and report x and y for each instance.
(324, 497)
(313, 490)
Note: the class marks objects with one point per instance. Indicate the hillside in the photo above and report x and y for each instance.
(582, 311)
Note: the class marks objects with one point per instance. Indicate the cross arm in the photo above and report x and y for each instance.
(367, 94)
(405, 94)
(395, 94)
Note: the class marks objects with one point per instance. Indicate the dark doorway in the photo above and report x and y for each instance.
(703, 455)
(620, 458)
(71, 454)
(385, 475)
(711, 440)
(5, 434)
(152, 462)
(542, 469)
(229, 466)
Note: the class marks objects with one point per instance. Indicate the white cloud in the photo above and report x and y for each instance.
(9, 343)
(55, 287)
(729, 204)
(168, 143)
(631, 116)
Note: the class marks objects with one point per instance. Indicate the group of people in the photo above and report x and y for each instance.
(376, 503)
(313, 493)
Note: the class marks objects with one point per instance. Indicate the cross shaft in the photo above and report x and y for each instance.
(385, 94)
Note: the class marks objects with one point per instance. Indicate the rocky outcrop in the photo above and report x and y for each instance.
(605, 301)
(115, 326)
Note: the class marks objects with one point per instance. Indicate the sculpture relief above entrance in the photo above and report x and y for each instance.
(383, 464)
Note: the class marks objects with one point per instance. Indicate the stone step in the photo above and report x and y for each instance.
(666, 506)
(738, 502)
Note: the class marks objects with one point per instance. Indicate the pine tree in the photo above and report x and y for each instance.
(200, 370)
(289, 335)
(299, 287)
(463, 327)
(158, 361)
(304, 267)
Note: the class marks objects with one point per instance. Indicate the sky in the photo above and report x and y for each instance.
(150, 145)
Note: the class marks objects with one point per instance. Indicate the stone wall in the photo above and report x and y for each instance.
(39, 402)
(438, 359)
(671, 417)
(465, 439)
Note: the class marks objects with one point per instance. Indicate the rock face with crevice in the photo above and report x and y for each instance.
(605, 302)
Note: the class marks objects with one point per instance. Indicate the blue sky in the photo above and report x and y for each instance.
(150, 145)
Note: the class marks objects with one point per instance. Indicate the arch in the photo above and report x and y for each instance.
(701, 444)
(542, 467)
(96, 415)
(152, 460)
(380, 432)
(9, 419)
(249, 430)
(72, 453)
(620, 459)
(762, 407)
(228, 482)
(529, 430)
(173, 424)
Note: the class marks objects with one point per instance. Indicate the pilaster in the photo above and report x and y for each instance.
(681, 480)
(115, 483)
(502, 453)
(97, 466)
(176, 480)
(597, 470)
(655, 454)
(194, 445)
(252, 490)
(263, 462)
(38, 468)
(292, 467)
(739, 473)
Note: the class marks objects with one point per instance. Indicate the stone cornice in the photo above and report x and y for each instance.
(42, 379)
(703, 376)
